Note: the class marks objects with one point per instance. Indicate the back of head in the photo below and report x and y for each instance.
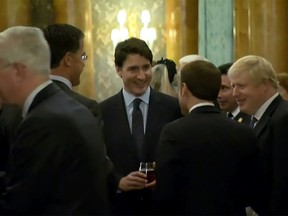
(224, 68)
(131, 46)
(202, 78)
(258, 68)
(25, 45)
(62, 38)
(190, 58)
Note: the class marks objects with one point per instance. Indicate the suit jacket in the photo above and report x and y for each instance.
(92, 105)
(272, 130)
(205, 165)
(58, 162)
(242, 118)
(118, 138)
(10, 118)
(121, 149)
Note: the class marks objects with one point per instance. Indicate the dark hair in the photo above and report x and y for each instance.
(202, 79)
(131, 46)
(224, 68)
(62, 38)
(171, 67)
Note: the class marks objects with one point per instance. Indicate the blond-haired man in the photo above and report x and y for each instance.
(255, 88)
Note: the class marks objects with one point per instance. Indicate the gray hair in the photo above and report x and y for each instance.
(258, 68)
(25, 45)
(191, 58)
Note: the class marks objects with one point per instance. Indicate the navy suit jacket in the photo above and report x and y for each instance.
(118, 138)
(205, 165)
(272, 130)
(58, 162)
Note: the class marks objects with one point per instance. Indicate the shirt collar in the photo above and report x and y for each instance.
(129, 98)
(62, 79)
(263, 108)
(201, 104)
(235, 112)
(31, 97)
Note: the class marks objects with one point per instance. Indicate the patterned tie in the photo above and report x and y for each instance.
(253, 121)
(137, 124)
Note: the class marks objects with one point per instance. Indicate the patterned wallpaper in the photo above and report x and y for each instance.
(104, 16)
(216, 30)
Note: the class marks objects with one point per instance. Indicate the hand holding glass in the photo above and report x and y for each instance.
(148, 169)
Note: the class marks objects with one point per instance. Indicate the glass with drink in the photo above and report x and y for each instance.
(148, 169)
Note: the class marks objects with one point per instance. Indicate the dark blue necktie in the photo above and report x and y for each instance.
(137, 124)
(253, 121)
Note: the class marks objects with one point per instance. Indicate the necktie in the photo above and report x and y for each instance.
(253, 121)
(229, 115)
(137, 124)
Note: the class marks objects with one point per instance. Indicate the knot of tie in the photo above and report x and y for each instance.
(253, 121)
(136, 103)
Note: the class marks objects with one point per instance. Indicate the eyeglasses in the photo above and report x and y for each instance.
(84, 57)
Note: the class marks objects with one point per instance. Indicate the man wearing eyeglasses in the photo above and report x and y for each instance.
(68, 58)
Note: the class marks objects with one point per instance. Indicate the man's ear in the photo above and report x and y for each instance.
(67, 59)
(20, 73)
(183, 89)
(118, 70)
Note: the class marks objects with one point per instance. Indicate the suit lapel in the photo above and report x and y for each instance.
(267, 115)
(242, 118)
(151, 124)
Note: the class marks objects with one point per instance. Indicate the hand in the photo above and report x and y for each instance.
(151, 184)
(134, 181)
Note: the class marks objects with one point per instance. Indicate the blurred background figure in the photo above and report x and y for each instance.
(163, 74)
(226, 100)
(283, 85)
(190, 58)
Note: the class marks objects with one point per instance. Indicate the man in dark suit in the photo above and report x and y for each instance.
(58, 161)
(226, 99)
(133, 60)
(203, 166)
(10, 117)
(255, 88)
(66, 43)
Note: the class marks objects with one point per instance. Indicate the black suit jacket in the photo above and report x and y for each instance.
(92, 105)
(205, 165)
(119, 142)
(242, 118)
(272, 130)
(58, 162)
(118, 138)
(10, 117)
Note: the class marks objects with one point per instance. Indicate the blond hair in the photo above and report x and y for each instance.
(258, 68)
(160, 80)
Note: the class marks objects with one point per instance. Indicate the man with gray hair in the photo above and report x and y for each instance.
(255, 88)
(58, 144)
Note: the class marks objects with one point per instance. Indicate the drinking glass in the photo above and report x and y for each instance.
(148, 169)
